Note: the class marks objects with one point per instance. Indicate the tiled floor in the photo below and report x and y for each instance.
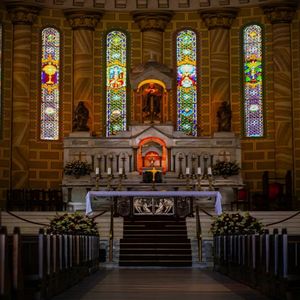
(159, 284)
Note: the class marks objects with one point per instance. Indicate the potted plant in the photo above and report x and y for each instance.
(77, 168)
(225, 168)
(236, 224)
(74, 223)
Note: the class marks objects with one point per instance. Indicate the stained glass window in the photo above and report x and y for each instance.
(50, 71)
(186, 52)
(252, 81)
(116, 46)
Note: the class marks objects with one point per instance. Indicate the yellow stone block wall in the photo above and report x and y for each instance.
(46, 158)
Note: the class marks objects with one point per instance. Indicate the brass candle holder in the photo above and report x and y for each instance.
(199, 178)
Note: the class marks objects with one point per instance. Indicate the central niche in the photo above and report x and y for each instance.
(152, 152)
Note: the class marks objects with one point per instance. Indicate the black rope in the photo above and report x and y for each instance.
(281, 221)
(207, 213)
(25, 220)
(98, 215)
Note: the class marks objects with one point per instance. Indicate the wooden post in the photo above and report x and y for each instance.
(17, 282)
(3, 262)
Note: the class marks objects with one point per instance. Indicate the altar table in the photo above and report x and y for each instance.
(192, 194)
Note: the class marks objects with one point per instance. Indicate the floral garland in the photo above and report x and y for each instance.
(236, 224)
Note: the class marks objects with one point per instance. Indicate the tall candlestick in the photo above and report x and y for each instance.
(209, 172)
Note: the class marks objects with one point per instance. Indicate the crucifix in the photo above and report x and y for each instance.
(224, 156)
(80, 155)
(153, 171)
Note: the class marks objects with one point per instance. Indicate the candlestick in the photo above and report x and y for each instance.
(199, 171)
(209, 172)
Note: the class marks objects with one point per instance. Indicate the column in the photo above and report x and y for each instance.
(280, 15)
(152, 25)
(22, 17)
(83, 23)
(218, 22)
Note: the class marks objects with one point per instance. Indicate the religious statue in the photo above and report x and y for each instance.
(81, 118)
(224, 117)
(152, 101)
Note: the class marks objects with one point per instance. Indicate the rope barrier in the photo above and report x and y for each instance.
(25, 220)
(283, 220)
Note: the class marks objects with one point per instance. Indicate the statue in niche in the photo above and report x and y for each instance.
(224, 117)
(152, 99)
(81, 118)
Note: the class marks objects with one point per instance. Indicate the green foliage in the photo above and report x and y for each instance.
(74, 223)
(226, 168)
(77, 168)
(236, 224)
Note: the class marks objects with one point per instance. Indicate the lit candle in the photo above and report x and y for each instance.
(120, 171)
(187, 171)
(97, 171)
(199, 171)
(108, 171)
(209, 172)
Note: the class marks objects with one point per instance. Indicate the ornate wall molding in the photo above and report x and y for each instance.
(282, 12)
(152, 20)
(218, 18)
(22, 14)
(83, 19)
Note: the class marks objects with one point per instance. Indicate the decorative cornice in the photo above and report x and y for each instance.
(83, 19)
(280, 12)
(218, 18)
(152, 20)
(22, 13)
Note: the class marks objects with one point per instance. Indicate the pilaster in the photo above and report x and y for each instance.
(218, 22)
(22, 17)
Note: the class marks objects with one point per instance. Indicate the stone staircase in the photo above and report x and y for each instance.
(155, 241)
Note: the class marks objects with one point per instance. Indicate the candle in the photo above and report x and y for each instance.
(187, 171)
(108, 171)
(199, 171)
(209, 172)
(97, 171)
(120, 171)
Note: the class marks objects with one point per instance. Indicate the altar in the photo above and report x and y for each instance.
(129, 203)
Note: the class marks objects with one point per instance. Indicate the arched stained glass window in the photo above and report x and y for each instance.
(252, 81)
(116, 64)
(186, 53)
(50, 81)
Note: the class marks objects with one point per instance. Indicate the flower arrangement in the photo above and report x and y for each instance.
(77, 168)
(74, 223)
(225, 168)
(236, 223)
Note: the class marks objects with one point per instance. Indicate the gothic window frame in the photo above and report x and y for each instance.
(127, 88)
(40, 52)
(243, 101)
(198, 78)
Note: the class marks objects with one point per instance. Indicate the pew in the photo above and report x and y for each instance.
(268, 262)
(41, 266)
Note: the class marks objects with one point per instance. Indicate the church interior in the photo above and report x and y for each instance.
(149, 112)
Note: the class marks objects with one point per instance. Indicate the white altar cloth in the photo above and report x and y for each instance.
(194, 194)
